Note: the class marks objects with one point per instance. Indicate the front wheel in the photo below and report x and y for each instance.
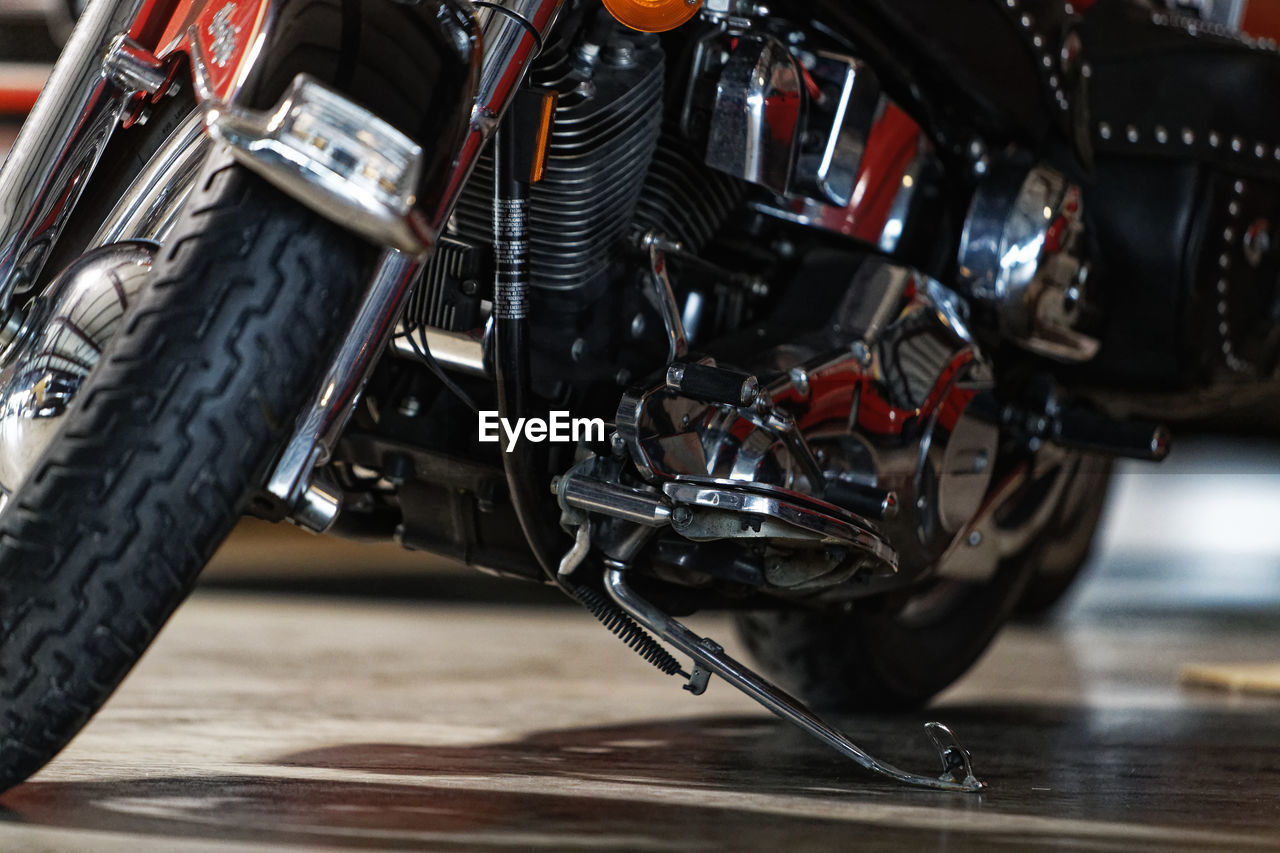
(162, 447)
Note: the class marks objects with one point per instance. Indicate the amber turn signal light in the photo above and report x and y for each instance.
(653, 16)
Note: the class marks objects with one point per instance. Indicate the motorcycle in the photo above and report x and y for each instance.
(830, 314)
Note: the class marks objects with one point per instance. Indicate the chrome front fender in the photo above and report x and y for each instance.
(360, 130)
(390, 169)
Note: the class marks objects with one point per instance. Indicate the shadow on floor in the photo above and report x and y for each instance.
(1110, 779)
(455, 587)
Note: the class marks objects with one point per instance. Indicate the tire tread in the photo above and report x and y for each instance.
(169, 440)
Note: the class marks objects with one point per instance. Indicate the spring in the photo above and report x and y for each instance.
(626, 629)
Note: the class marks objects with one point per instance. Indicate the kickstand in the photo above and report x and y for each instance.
(708, 655)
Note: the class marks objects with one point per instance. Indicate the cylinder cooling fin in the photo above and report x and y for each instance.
(607, 127)
(618, 166)
(683, 198)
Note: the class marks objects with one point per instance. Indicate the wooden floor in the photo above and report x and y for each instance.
(267, 721)
(317, 697)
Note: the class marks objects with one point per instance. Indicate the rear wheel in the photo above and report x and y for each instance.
(897, 652)
(1068, 539)
(883, 655)
(162, 447)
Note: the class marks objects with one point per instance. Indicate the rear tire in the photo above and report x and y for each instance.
(172, 435)
(888, 654)
(1069, 538)
(868, 659)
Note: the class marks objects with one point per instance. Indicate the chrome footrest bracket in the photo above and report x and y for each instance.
(708, 655)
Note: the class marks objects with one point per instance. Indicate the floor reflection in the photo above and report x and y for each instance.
(1078, 721)
(1118, 778)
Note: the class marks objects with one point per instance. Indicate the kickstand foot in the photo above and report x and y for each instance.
(957, 765)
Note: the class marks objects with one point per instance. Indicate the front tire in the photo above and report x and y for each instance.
(171, 436)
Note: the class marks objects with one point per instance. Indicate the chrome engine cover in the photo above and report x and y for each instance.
(1022, 258)
(892, 398)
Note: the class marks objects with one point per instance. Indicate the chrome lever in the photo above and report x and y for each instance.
(661, 294)
(708, 655)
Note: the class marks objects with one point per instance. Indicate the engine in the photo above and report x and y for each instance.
(858, 449)
(836, 426)
(616, 169)
(606, 130)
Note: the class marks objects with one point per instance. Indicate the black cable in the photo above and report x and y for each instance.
(423, 352)
(523, 466)
(526, 476)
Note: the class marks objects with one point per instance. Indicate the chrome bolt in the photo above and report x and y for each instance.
(1071, 300)
(675, 376)
(861, 353)
(132, 67)
(800, 380)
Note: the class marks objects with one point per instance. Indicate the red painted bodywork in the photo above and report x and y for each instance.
(839, 388)
(1262, 19)
(18, 96)
(173, 27)
(834, 391)
(891, 147)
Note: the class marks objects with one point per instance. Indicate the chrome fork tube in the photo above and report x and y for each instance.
(513, 33)
(318, 430)
(59, 145)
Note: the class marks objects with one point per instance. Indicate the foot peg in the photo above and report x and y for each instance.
(1048, 415)
(708, 384)
(1083, 430)
(709, 657)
